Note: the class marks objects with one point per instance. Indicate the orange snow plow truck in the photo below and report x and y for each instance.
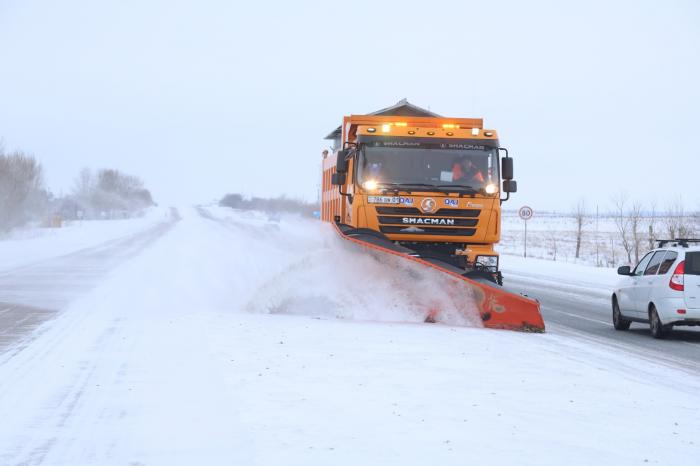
(406, 182)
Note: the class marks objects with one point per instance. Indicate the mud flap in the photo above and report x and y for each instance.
(498, 308)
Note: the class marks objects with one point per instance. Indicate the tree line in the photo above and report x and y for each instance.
(272, 205)
(637, 227)
(24, 197)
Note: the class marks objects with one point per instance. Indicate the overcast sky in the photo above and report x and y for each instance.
(201, 98)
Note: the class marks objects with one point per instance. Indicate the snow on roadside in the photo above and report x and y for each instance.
(596, 280)
(31, 245)
(326, 392)
(165, 364)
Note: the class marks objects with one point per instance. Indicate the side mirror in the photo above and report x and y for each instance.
(338, 179)
(510, 186)
(507, 168)
(341, 164)
(624, 270)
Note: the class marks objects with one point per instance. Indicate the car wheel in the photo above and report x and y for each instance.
(619, 322)
(658, 330)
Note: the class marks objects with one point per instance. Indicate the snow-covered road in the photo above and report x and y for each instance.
(235, 339)
(52, 270)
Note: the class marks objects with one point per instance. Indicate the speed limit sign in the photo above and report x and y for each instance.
(525, 212)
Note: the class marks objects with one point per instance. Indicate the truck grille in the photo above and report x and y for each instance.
(410, 220)
(441, 212)
(429, 221)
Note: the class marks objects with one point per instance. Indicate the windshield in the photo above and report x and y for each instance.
(444, 165)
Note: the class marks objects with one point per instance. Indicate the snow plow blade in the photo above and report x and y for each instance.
(497, 308)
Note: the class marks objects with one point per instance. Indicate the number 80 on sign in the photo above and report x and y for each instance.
(525, 212)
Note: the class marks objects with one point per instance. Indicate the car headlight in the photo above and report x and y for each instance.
(487, 261)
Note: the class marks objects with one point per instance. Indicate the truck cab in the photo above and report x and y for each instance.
(429, 183)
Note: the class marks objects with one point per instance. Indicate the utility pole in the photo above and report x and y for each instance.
(597, 239)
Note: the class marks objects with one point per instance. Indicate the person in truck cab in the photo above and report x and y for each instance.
(466, 171)
(375, 169)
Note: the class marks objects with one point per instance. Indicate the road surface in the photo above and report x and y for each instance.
(33, 294)
(583, 310)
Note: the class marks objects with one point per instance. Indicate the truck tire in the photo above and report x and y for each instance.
(481, 276)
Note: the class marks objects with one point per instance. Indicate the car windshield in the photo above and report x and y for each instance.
(444, 165)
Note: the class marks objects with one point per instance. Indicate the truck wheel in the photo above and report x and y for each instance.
(658, 330)
(619, 322)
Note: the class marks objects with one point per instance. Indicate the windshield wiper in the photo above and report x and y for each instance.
(459, 187)
(407, 186)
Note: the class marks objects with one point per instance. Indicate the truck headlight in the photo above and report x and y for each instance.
(370, 185)
(487, 261)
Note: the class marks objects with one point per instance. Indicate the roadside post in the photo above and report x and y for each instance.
(525, 213)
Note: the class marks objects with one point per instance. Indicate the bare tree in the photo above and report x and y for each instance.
(678, 224)
(622, 224)
(579, 214)
(652, 226)
(22, 194)
(109, 191)
(635, 220)
(84, 184)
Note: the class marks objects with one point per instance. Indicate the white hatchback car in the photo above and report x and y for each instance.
(662, 290)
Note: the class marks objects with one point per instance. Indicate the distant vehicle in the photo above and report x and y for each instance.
(663, 290)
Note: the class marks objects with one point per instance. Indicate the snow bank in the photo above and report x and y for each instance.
(596, 280)
(317, 273)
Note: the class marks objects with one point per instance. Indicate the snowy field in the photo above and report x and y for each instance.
(552, 236)
(238, 339)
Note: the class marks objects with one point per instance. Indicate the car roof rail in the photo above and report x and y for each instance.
(686, 241)
(683, 242)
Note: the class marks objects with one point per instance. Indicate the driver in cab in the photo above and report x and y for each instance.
(466, 171)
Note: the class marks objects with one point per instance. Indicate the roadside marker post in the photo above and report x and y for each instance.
(526, 214)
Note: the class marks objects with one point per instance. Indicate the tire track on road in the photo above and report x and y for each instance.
(33, 294)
